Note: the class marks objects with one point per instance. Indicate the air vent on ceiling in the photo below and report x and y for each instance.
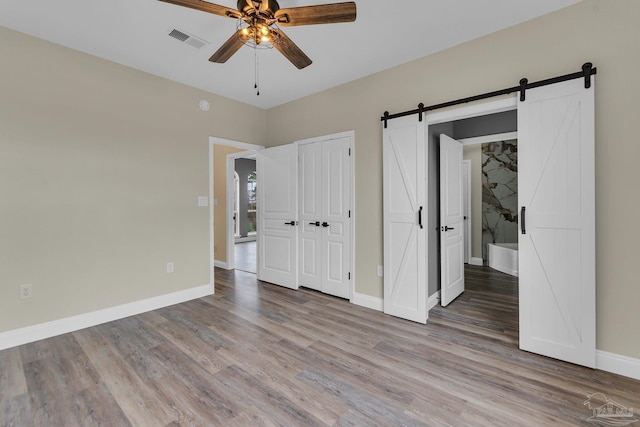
(187, 38)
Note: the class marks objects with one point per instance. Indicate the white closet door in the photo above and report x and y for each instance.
(336, 221)
(404, 209)
(310, 229)
(325, 221)
(451, 220)
(557, 231)
(277, 193)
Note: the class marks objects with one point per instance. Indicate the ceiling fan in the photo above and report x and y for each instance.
(258, 22)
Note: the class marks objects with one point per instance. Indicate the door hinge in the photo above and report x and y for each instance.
(349, 275)
(349, 151)
(349, 213)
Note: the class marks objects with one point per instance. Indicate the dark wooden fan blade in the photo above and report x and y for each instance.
(231, 46)
(320, 14)
(206, 7)
(290, 50)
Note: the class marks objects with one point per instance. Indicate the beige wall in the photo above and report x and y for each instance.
(604, 32)
(101, 164)
(474, 153)
(100, 170)
(220, 192)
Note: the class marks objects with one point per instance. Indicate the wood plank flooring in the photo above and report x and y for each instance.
(255, 354)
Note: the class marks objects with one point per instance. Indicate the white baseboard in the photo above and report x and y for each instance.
(618, 364)
(476, 261)
(433, 300)
(41, 331)
(368, 301)
(221, 264)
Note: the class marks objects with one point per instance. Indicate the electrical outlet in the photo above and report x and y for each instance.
(170, 267)
(380, 271)
(25, 291)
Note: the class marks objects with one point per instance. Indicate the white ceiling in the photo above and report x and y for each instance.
(385, 34)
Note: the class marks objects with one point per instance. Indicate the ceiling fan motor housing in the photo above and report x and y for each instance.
(265, 8)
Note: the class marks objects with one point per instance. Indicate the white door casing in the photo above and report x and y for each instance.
(556, 177)
(451, 220)
(277, 194)
(325, 220)
(404, 202)
(466, 199)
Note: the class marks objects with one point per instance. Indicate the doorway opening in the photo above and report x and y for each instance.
(223, 226)
(481, 128)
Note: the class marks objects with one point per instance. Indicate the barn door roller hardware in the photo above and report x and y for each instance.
(587, 71)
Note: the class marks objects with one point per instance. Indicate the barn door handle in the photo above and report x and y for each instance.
(290, 223)
(523, 228)
(317, 223)
(325, 224)
(420, 217)
(447, 228)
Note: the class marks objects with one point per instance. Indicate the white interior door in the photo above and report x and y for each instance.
(405, 237)
(557, 231)
(336, 218)
(325, 219)
(310, 229)
(451, 220)
(277, 193)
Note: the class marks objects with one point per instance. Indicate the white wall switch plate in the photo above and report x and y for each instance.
(170, 267)
(203, 201)
(380, 271)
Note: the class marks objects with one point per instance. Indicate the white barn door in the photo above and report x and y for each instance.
(405, 234)
(277, 195)
(451, 220)
(557, 222)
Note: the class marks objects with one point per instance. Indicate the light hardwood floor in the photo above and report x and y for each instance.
(256, 354)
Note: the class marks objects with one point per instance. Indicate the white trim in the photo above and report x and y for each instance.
(41, 331)
(221, 264)
(468, 234)
(232, 143)
(618, 364)
(476, 110)
(231, 238)
(433, 300)
(367, 301)
(507, 136)
(347, 134)
(212, 278)
(251, 238)
(476, 261)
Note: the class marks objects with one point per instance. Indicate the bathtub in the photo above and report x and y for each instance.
(503, 257)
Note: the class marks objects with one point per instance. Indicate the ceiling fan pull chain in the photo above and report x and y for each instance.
(256, 71)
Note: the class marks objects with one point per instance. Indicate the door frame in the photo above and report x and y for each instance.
(496, 137)
(231, 158)
(466, 195)
(213, 140)
(352, 136)
(508, 103)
